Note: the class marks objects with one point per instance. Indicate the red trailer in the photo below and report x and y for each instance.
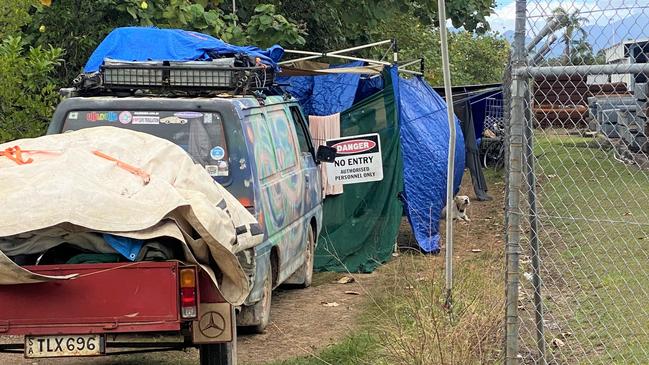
(118, 308)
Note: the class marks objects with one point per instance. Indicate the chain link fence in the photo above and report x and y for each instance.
(578, 184)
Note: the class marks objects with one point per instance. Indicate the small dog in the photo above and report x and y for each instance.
(459, 208)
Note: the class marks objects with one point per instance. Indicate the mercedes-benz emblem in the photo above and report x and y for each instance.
(212, 324)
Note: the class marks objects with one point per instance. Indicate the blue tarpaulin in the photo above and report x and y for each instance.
(326, 94)
(154, 44)
(424, 143)
(128, 247)
(423, 135)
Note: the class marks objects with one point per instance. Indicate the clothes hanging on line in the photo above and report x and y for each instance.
(323, 128)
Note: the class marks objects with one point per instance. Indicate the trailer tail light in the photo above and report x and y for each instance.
(188, 297)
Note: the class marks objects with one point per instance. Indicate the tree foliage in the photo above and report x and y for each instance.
(474, 58)
(79, 26)
(34, 33)
(336, 24)
(13, 15)
(574, 36)
(28, 93)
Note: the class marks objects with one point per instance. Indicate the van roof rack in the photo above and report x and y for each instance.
(217, 76)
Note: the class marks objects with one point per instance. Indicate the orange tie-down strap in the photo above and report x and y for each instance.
(130, 168)
(17, 154)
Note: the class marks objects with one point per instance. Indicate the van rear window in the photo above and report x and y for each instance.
(200, 134)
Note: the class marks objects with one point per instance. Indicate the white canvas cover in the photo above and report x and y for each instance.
(121, 182)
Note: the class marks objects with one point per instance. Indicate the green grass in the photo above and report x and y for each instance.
(595, 242)
(404, 321)
(359, 348)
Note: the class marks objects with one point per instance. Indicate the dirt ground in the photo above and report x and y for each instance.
(301, 324)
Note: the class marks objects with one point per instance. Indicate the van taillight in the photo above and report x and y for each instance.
(245, 202)
(188, 300)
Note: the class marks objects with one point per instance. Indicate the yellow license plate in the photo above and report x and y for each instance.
(60, 346)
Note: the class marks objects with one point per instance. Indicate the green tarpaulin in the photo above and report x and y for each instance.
(361, 225)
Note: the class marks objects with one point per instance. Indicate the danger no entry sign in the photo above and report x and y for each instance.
(358, 159)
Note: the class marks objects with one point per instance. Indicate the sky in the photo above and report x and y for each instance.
(600, 12)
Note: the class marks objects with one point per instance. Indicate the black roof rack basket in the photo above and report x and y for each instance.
(199, 76)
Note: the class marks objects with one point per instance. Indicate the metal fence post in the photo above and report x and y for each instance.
(534, 238)
(519, 88)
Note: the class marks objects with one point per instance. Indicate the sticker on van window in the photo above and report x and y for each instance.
(188, 115)
(217, 153)
(125, 117)
(138, 119)
(212, 170)
(173, 120)
(73, 115)
(220, 169)
(101, 117)
(207, 119)
(223, 168)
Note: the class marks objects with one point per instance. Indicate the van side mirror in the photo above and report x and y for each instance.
(326, 154)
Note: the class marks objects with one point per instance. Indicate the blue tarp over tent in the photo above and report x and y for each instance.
(324, 95)
(424, 143)
(154, 44)
(423, 135)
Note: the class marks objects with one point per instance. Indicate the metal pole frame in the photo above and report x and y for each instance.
(519, 89)
(420, 61)
(310, 55)
(450, 171)
(234, 11)
(410, 63)
(418, 73)
(339, 54)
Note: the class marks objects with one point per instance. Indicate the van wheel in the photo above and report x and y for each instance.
(263, 306)
(306, 270)
(217, 354)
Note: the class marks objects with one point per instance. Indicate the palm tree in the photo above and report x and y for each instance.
(572, 24)
(582, 53)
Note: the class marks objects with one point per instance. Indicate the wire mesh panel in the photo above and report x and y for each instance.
(494, 116)
(583, 296)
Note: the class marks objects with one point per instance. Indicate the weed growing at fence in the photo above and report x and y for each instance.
(415, 326)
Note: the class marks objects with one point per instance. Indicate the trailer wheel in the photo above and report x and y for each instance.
(218, 354)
